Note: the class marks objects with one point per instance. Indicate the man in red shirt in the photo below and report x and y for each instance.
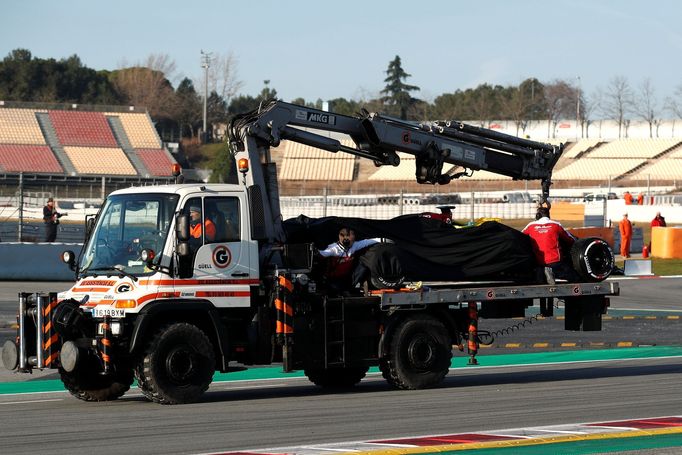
(548, 237)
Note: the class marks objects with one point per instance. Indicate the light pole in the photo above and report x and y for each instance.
(205, 64)
(577, 108)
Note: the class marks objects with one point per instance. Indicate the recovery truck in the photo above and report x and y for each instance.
(155, 304)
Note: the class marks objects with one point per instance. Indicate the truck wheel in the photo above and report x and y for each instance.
(336, 377)
(592, 259)
(419, 354)
(177, 365)
(87, 384)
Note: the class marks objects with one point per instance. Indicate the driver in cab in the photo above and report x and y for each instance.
(195, 225)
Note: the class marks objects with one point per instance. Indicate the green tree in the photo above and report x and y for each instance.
(222, 166)
(397, 93)
(267, 93)
(188, 108)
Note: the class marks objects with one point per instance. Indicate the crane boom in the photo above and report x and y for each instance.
(379, 138)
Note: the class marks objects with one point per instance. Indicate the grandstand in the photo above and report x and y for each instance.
(79, 145)
(589, 162)
(305, 163)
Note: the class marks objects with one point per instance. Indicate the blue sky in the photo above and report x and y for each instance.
(322, 49)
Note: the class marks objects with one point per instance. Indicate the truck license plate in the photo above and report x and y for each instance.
(113, 312)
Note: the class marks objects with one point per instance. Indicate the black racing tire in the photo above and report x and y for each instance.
(592, 259)
(336, 378)
(177, 366)
(88, 384)
(419, 353)
(386, 271)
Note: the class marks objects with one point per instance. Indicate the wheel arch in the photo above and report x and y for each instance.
(200, 313)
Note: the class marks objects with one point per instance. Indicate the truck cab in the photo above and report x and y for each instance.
(133, 250)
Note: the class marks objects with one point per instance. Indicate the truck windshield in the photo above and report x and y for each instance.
(128, 224)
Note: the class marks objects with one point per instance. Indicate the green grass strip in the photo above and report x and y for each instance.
(497, 360)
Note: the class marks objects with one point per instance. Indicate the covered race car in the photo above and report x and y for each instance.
(423, 249)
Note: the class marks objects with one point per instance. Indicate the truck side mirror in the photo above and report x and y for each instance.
(89, 225)
(183, 250)
(182, 227)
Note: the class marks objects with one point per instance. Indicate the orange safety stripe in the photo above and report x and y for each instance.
(51, 358)
(105, 357)
(105, 326)
(90, 289)
(223, 293)
(50, 306)
(157, 295)
(283, 328)
(47, 326)
(197, 282)
(286, 283)
(106, 341)
(281, 306)
(53, 339)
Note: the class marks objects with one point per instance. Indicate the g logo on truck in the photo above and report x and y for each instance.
(125, 287)
(222, 257)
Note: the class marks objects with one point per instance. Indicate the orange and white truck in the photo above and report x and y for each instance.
(157, 302)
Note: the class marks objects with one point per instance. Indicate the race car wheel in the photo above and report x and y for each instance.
(592, 259)
(336, 377)
(177, 366)
(419, 354)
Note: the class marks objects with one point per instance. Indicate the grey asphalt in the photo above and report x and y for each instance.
(252, 415)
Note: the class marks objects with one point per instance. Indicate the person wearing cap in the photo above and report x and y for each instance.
(547, 238)
(195, 225)
(444, 216)
(625, 229)
(51, 220)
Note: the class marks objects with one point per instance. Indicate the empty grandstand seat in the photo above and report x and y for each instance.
(157, 161)
(29, 159)
(139, 129)
(20, 126)
(633, 148)
(89, 129)
(100, 160)
(597, 168)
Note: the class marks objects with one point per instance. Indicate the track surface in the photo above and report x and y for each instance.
(277, 413)
(238, 416)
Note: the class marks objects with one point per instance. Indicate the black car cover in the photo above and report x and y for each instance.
(427, 249)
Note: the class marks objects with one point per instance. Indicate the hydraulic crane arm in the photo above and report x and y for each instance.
(379, 138)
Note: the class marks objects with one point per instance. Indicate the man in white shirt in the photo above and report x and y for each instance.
(340, 269)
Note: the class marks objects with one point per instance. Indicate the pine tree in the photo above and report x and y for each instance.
(396, 92)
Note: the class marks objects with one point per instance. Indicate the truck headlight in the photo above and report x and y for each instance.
(115, 328)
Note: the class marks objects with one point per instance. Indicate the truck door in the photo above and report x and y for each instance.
(221, 268)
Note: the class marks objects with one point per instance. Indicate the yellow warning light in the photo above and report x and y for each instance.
(243, 165)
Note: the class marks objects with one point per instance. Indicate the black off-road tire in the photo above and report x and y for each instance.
(419, 354)
(593, 259)
(87, 384)
(177, 366)
(336, 377)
